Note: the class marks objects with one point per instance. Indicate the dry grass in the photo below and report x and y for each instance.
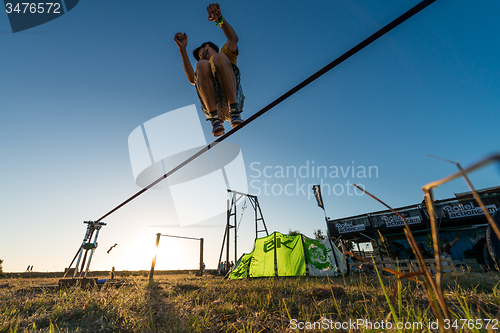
(191, 304)
(433, 284)
(185, 303)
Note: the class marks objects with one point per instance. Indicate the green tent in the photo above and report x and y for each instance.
(285, 255)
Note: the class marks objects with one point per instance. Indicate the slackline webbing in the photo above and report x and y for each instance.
(420, 6)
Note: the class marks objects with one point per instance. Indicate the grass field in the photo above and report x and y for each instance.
(186, 303)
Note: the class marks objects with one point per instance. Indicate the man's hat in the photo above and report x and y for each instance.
(197, 50)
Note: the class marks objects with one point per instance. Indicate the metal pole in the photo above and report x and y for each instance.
(92, 252)
(78, 262)
(332, 245)
(86, 253)
(81, 250)
(151, 273)
(201, 256)
(222, 249)
(261, 216)
(227, 244)
(83, 263)
(235, 235)
(180, 237)
(254, 205)
(71, 264)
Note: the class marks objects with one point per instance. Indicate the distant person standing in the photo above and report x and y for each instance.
(217, 78)
(221, 268)
(446, 249)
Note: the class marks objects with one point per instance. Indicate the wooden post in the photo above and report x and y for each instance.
(357, 243)
(377, 250)
(151, 273)
(201, 256)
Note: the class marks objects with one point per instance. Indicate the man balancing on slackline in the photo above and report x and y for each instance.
(217, 78)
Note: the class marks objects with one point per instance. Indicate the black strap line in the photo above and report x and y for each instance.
(420, 6)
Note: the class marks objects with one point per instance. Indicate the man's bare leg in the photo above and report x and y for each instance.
(206, 85)
(227, 82)
(207, 92)
(225, 75)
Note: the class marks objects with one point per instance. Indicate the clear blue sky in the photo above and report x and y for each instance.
(73, 89)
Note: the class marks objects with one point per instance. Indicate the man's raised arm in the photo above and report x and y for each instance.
(181, 41)
(215, 15)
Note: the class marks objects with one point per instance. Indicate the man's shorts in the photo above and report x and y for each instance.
(220, 99)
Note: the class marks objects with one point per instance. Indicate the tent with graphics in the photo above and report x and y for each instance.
(286, 255)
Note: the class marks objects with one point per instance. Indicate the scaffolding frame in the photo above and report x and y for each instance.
(235, 197)
(87, 244)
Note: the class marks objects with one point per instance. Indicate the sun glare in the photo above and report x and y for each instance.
(139, 254)
(172, 254)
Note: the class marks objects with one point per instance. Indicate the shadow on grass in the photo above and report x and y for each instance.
(163, 316)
